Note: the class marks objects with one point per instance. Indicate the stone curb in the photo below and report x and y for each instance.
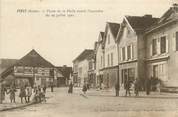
(12, 108)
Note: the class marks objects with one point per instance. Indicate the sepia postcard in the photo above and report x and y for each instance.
(96, 58)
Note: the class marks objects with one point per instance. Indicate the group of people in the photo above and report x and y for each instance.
(133, 86)
(84, 88)
(25, 93)
(129, 87)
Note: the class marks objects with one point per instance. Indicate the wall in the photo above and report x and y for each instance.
(99, 59)
(83, 71)
(172, 54)
(110, 48)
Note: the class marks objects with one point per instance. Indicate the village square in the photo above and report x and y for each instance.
(131, 71)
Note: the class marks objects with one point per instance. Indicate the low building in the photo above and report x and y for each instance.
(31, 69)
(66, 75)
(162, 49)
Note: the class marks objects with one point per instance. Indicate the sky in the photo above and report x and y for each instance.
(61, 39)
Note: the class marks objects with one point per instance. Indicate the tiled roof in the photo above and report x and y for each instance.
(5, 63)
(114, 28)
(102, 34)
(33, 59)
(84, 55)
(169, 16)
(140, 23)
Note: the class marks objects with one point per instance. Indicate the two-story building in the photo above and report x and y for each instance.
(31, 69)
(81, 67)
(110, 70)
(131, 47)
(162, 49)
(99, 59)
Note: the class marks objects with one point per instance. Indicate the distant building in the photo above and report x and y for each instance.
(81, 67)
(66, 75)
(31, 69)
(99, 51)
(162, 49)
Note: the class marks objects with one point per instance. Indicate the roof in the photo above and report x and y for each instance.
(102, 34)
(140, 23)
(171, 15)
(84, 55)
(114, 28)
(5, 63)
(33, 59)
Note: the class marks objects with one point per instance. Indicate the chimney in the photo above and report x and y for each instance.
(147, 16)
(175, 5)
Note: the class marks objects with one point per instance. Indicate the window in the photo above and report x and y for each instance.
(163, 44)
(108, 60)
(101, 61)
(176, 41)
(123, 53)
(155, 71)
(111, 59)
(80, 71)
(154, 46)
(90, 65)
(108, 39)
(129, 52)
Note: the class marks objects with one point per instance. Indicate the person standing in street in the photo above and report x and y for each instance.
(3, 92)
(70, 88)
(127, 87)
(22, 93)
(147, 86)
(29, 93)
(51, 85)
(12, 93)
(117, 88)
(84, 88)
(44, 88)
(136, 87)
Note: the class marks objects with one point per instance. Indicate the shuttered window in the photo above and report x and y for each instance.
(129, 52)
(123, 53)
(154, 46)
(111, 59)
(163, 44)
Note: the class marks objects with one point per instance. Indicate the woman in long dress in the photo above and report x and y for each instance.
(22, 93)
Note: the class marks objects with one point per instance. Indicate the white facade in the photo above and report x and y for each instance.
(111, 53)
(83, 68)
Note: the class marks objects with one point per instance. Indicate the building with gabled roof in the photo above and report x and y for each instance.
(110, 67)
(66, 75)
(31, 69)
(131, 48)
(162, 49)
(81, 67)
(99, 51)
